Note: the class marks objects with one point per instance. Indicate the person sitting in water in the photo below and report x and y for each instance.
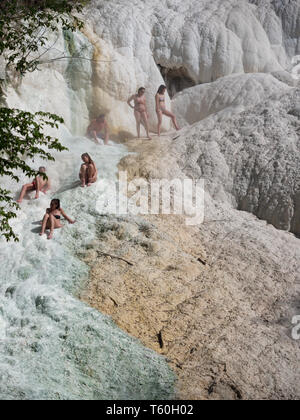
(98, 127)
(88, 172)
(39, 184)
(52, 218)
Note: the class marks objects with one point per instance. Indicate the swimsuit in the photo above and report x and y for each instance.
(162, 107)
(139, 101)
(55, 215)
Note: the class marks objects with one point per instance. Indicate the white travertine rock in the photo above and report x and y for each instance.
(198, 41)
(287, 77)
(250, 160)
(117, 74)
(209, 39)
(285, 26)
(204, 40)
(227, 324)
(225, 97)
(272, 24)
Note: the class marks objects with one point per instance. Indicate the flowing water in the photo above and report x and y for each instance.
(52, 346)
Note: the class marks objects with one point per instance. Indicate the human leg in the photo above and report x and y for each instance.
(92, 175)
(83, 175)
(138, 123)
(25, 189)
(159, 117)
(44, 224)
(173, 118)
(146, 124)
(52, 225)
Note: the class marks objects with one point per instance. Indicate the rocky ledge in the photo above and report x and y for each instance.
(216, 299)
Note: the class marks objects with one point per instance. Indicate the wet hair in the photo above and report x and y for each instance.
(56, 201)
(88, 156)
(101, 117)
(42, 169)
(140, 89)
(161, 89)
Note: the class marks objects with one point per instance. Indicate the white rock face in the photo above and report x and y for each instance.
(281, 21)
(227, 324)
(195, 41)
(209, 39)
(192, 42)
(225, 97)
(250, 160)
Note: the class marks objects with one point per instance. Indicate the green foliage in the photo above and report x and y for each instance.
(21, 134)
(25, 24)
(24, 27)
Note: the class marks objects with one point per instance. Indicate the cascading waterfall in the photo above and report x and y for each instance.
(52, 346)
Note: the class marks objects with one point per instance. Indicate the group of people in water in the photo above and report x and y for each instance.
(52, 219)
(88, 172)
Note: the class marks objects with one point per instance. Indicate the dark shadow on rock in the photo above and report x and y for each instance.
(68, 187)
(36, 230)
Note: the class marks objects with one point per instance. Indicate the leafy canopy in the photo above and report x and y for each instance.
(24, 27)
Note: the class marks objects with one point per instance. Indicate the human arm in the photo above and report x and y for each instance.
(91, 131)
(66, 217)
(94, 135)
(130, 100)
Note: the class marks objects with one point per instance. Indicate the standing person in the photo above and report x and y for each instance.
(98, 127)
(38, 184)
(88, 172)
(161, 110)
(140, 111)
(52, 218)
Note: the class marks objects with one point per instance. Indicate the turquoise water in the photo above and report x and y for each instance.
(52, 346)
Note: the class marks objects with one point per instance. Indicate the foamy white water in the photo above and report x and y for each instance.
(52, 345)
